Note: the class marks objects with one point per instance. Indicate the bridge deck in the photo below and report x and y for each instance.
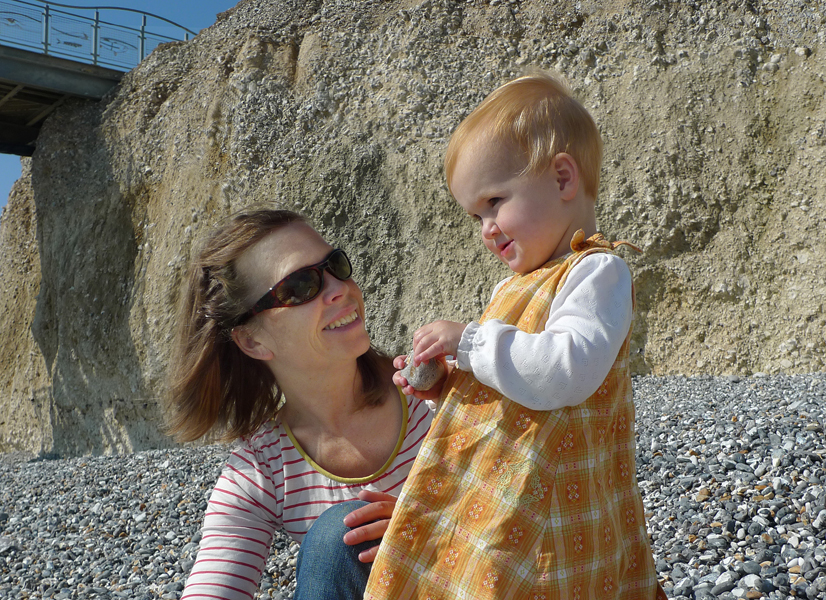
(32, 85)
(48, 52)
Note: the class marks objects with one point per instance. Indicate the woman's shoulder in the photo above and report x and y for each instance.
(267, 440)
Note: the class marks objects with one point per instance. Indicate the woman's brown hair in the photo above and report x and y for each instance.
(212, 384)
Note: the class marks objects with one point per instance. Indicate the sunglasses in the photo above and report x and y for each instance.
(303, 285)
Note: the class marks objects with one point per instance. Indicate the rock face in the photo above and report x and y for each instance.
(714, 123)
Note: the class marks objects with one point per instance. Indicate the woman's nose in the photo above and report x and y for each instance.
(334, 288)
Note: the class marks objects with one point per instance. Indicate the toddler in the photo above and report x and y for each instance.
(526, 486)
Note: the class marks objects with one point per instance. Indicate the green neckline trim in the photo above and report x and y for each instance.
(384, 467)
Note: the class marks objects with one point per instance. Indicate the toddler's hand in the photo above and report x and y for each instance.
(439, 338)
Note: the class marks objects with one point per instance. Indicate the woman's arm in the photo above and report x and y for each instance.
(239, 524)
(566, 363)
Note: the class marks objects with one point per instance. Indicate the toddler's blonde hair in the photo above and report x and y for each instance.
(538, 114)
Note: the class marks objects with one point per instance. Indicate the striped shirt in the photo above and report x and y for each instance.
(270, 483)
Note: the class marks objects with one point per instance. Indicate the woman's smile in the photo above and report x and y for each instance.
(345, 320)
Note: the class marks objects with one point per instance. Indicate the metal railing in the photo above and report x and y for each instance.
(49, 28)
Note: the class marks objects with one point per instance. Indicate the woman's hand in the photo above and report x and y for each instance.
(438, 338)
(432, 394)
(369, 522)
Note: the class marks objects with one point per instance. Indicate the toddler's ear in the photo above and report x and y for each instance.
(567, 175)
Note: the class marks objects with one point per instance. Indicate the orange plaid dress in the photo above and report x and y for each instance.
(508, 502)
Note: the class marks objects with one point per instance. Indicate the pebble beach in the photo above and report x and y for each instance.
(731, 471)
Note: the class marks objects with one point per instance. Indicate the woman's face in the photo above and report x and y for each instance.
(326, 330)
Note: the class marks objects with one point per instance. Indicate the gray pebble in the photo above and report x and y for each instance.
(753, 582)
(424, 376)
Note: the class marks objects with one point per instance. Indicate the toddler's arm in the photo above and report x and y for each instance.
(566, 363)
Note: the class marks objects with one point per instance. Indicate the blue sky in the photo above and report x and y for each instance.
(192, 14)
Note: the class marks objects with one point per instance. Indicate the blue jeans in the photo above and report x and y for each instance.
(327, 568)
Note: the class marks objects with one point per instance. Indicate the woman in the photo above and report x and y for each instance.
(272, 351)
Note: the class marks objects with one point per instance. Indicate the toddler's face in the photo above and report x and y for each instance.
(524, 219)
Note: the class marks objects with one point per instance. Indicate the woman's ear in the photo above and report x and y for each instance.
(567, 175)
(247, 341)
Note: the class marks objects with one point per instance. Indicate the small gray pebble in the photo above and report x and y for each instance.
(425, 375)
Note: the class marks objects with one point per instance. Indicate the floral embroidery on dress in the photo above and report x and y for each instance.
(490, 580)
(452, 555)
(458, 442)
(386, 577)
(475, 511)
(608, 584)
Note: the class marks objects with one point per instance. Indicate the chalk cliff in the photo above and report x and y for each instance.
(714, 122)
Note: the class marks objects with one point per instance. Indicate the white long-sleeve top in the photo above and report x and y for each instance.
(568, 361)
(270, 483)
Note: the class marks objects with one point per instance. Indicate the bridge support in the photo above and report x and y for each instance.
(32, 85)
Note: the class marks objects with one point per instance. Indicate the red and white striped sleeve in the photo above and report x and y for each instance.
(240, 520)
